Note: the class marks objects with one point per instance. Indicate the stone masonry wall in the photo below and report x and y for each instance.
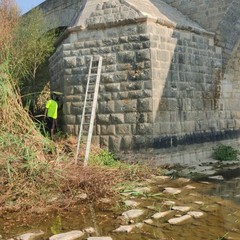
(159, 87)
(60, 13)
(125, 96)
(186, 87)
(207, 13)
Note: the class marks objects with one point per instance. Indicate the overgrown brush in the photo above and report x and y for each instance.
(23, 150)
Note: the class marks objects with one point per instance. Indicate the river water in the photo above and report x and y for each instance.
(218, 200)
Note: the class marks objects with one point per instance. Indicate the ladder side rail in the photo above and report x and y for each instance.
(83, 111)
(89, 139)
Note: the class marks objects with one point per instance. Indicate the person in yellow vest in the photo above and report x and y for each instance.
(51, 114)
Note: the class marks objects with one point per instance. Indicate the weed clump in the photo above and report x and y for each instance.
(225, 153)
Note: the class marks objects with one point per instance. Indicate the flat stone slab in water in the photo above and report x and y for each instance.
(169, 203)
(134, 213)
(190, 187)
(217, 177)
(179, 220)
(130, 203)
(125, 228)
(67, 236)
(172, 191)
(181, 208)
(160, 214)
(30, 235)
(99, 238)
(195, 214)
(148, 221)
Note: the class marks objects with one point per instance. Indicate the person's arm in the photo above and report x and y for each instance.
(46, 109)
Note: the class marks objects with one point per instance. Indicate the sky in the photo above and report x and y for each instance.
(26, 5)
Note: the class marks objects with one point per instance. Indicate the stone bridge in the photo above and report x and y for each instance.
(170, 76)
(217, 16)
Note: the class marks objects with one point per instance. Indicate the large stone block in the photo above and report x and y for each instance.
(144, 105)
(115, 143)
(123, 129)
(108, 130)
(126, 57)
(107, 107)
(116, 118)
(128, 105)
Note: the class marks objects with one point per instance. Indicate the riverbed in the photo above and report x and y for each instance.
(213, 198)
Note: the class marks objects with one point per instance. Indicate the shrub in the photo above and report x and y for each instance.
(104, 158)
(225, 153)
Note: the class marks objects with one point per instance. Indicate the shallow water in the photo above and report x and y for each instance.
(221, 216)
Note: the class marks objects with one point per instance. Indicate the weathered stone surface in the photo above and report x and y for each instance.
(134, 213)
(181, 208)
(67, 236)
(160, 214)
(99, 238)
(148, 221)
(172, 191)
(190, 187)
(179, 220)
(131, 203)
(125, 228)
(169, 203)
(89, 230)
(30, 235)
(195, 214)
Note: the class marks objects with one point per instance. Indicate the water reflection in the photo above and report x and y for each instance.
(229, 186)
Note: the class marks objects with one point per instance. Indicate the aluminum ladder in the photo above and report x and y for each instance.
(90, 105)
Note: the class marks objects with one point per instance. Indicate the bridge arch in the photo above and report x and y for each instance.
(228, 32)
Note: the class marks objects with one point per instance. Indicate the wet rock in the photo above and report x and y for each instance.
(217, 177)
(172, 191)
(204, 182)
(184, 180)
(134, 213)
(160, 214)
(195, 214)
(131, 203)
(190, 187)
(181, 208)
(30, 235)
(169, 203)
(67, 236)
(148, 221)
(179, 220)
(89, 230)
(99, 238)
(125, 228)
(139, 225)
(199, 202)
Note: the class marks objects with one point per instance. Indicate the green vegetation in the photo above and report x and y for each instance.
(225, 153)
(104, 158)
(34, 170)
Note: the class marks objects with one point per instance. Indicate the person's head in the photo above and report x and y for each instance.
(54, 96)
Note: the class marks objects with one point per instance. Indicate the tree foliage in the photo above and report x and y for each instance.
(24, 40)
(9, 23)
(34, 43)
